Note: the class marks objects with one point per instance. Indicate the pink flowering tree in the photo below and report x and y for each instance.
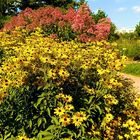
(65, 25)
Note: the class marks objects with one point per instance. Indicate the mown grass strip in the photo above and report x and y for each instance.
(132, 68)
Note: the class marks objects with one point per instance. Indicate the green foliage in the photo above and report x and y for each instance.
(3, 20)
(137, 29)
(99, 15)
(130, 48)
(27, 109)
(8, 7)
(129, 36)
(113, 36)
(57, 3)
(132, 68)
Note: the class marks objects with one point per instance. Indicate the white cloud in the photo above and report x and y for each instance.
(121, 9)
(136, 9)
(126, 29)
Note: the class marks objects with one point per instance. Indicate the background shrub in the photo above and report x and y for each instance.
(65, 25)
(130, 48)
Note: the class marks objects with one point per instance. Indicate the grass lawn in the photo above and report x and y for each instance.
(132, 68)
(130, 48)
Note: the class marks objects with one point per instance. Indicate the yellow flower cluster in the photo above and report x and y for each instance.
(107, 119)
(136, 103)
(113, 83)
(110, 99)
(65, 98)
(94, 131)
(69, 138)
(65, 113)
(66, 119)
(89, 90)
(50, 59)
(78, 118)
(23, 138)
(134, 129)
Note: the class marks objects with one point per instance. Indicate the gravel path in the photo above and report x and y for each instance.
(136, 81)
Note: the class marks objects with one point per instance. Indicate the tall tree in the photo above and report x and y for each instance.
(137, 29)
(56, 3)
(9, 7)
(99, 15)
(113, 35)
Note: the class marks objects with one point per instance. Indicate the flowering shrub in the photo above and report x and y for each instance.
(64, 25)
(64, 90)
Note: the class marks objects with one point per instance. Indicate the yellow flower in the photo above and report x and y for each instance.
(76, 121)
(138, 137)
(136, 103)
(110, 99)
(59, 111)
(109, 117)
(126, 136)
(69, 138)
(60, 96)
(101, 71)
(69, 107)
(78, 118)
(63, 73)
(65, 120)
(22, 138)
(97, 133)
(68, 98)
(52, 73)
(120, 137)
(88, 89)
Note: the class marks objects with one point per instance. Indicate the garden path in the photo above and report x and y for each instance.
(136, 80)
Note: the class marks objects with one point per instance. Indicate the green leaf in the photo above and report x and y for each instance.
(11, 138)
(6, 136)
(39, 87)
(48, 137)
(90, 99)
(39, 122)
(38, 102)
(44, 135)
(99, 109)
(82, 129)
(30, 123)
(55, 120)
(91, 120)
(18, 117)
(35, 117)
(39, 137)
(51, 127)
(42, 95)
(44, 120)
(48, 111)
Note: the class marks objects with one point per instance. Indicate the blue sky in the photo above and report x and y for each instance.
(124, 13)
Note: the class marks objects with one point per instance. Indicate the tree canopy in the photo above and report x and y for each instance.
(137, 29)
(12, 7)
(9, 7)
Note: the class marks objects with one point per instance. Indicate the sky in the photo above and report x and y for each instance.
(124, 13)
